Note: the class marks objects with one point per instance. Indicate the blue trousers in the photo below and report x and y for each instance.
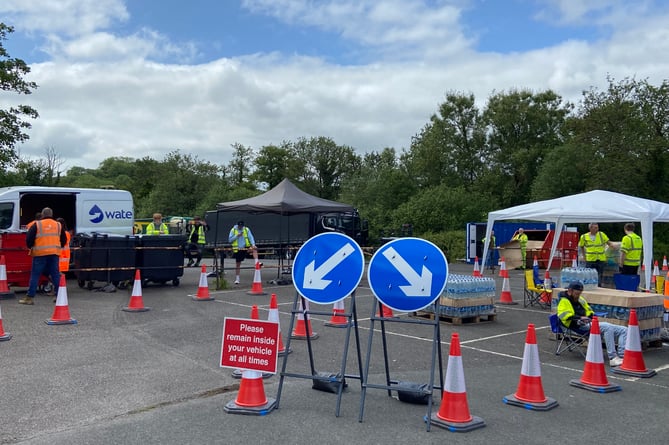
(47, 265)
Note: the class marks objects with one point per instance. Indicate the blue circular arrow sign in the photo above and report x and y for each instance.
(328, 268)
(408, 274)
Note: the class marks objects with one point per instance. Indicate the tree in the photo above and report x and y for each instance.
(13, 125)
(451, 147)
(273, 164)
(240, 165)
(522, 128)
(326, 165)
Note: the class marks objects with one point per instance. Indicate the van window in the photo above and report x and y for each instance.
(6, 213)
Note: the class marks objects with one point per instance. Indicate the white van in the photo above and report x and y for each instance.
(84, 210)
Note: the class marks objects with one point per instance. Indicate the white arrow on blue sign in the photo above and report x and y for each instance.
(328, 268)
(408, 274)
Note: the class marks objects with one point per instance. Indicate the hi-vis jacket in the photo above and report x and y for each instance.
(632, 245)
(234, 238)
(568, 314)
(594, 250)
(45, 237)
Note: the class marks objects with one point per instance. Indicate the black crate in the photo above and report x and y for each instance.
(160, 258)
(103, 257)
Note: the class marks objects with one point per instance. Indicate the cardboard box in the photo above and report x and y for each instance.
(622, 298)
(465, 302)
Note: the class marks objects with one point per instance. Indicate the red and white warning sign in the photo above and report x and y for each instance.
(250, 344)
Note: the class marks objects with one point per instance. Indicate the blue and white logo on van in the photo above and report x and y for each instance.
(97, 214)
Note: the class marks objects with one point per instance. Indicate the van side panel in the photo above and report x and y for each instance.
(105, 212)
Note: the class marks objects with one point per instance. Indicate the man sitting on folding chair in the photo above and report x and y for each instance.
(575, 313)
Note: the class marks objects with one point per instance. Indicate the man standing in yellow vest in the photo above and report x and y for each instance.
(242, 241)
(591, 246)
(521, 237)
(196, 240)
(630, 251)
(45, 240)
(157, 226)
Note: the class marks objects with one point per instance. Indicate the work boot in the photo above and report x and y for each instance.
(190, 263)
(27, 300)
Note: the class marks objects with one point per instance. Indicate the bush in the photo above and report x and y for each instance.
(452, 243)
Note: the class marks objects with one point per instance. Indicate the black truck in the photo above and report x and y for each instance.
(284, 232)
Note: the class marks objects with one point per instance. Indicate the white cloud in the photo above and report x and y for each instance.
(106, 95)
(68, 17)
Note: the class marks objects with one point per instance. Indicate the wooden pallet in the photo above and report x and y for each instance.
(455, 320)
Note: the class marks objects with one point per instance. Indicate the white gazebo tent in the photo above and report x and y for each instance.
(593, 206)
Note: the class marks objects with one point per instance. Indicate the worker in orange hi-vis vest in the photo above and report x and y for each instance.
(64, 262)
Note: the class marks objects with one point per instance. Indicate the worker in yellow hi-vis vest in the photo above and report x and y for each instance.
(521, 237)
(630, 251)
(591, 245)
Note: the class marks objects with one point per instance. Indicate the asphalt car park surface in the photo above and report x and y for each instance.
(154, 377)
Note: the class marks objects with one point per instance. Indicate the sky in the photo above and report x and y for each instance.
(142, 78)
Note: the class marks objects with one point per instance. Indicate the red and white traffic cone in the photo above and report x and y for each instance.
(5, 292)
(203, 287)
(256, 287)
(594, 373)
(238, 373)
(633, 363)
(251, 398)
(61, 312)
(274, 316)
(505, 296)
(302, 328)
(4, 336)
(502, 267)
(477, 269)
(136, 303)
(665, 267)
(338, 320)
(530, 392)
(385, 312)
(454, 410)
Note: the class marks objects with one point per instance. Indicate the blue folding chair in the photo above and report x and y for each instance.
(567, 339)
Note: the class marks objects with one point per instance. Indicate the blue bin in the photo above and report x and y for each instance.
(626, 282)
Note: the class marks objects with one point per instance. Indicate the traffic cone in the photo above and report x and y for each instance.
(666, 285)
(665, 267)
(505, 296)
(256, 287)
(203, 287)
(477, 270)
(633, 363)
(4, 336)
(61, 313)
(530, 392)
(385, 312)
(338, 320)
(238, 373)
(502, 267)
(594, 374)
(251, 397)
(5, 293)
(303, 324)
(136, 303)
(454, 410)
(274, 316)
(548, 289)
(574, 261)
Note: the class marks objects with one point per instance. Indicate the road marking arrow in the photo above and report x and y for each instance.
(313, 279)
(419, 285)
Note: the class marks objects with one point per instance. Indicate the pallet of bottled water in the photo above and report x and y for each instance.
(466, 296)
(586, 276)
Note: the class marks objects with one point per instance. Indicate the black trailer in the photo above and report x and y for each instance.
(160, 258)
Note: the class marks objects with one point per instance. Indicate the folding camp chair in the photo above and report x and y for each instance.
(535, 294)
(567, 339)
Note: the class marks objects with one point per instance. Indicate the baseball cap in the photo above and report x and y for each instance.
(575, 285)
(240, 223)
